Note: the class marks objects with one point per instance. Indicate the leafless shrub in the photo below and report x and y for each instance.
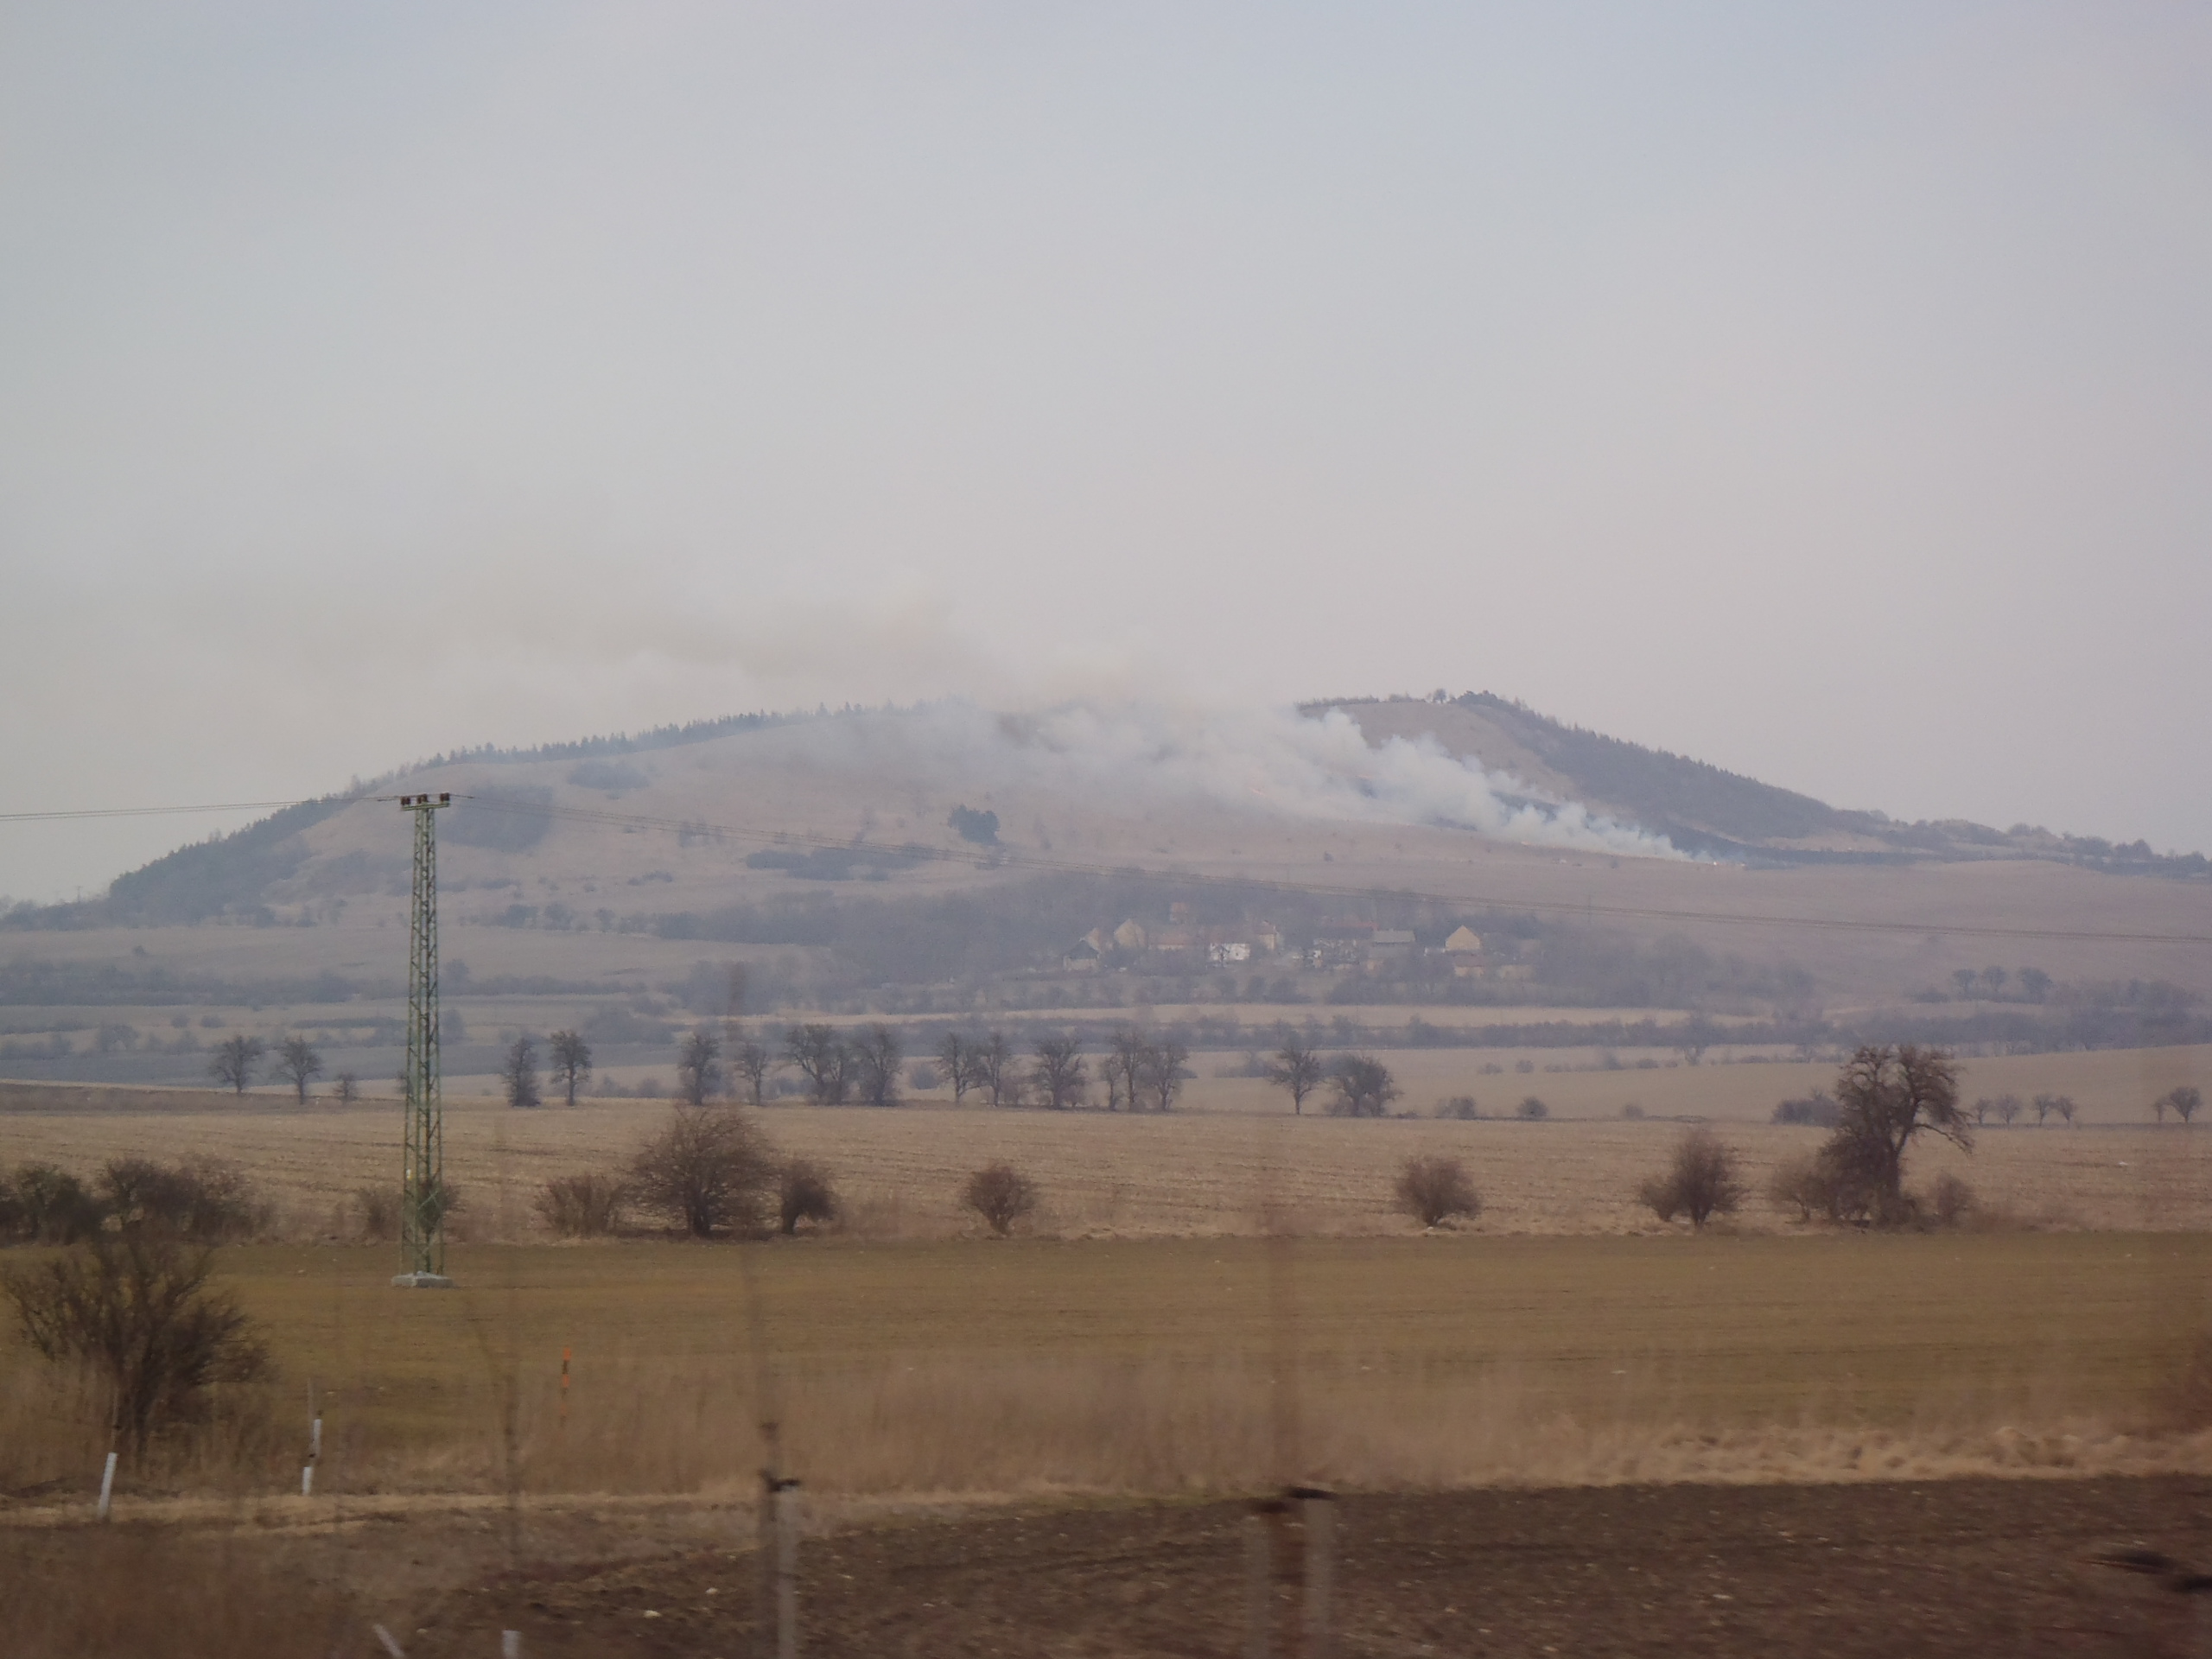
(1434, 1190)
(376, 1213)
(1700, 1183)
(43, 1204)
(1532, 1111)
(1952, 1200)
(1364, 1087)
(204, 1200)
(1001, 1195)
(710, 1169)
(805, 1193)
(589, 1206)
(1818, 1189)
(136, 1309)
(1460, 1107)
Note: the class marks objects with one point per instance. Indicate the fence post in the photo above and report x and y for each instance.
(107, 1484)
(777, 1619)
(1263, 1528)
(1317, 1512)
(787, 1569)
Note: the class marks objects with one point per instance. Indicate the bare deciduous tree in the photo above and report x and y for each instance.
(298, 1065)
(1701, 1182)
(519, 1071)
(233, 1060)
(1001, 1195)
(1889, 1095)
(823, 1059)
(698, 1068)
(1364, 1087)
(876, 1054)
(1121, 1066)
(955, 1053)
(571, 1061)
(1159, 1075)
(710, 1169)
(1060, 1072)
(751, 1061)
(2182, 1101)
(346, 1089)
(1297, 1070)
(137, 1308)
(1433, 1190)
(992, 1063)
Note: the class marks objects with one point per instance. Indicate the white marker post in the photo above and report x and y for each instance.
(314, 1445)
(107, 1485)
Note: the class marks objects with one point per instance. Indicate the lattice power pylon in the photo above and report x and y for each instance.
(422, 1190)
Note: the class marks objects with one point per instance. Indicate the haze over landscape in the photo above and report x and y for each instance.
(1817, 394)
(1255, 830)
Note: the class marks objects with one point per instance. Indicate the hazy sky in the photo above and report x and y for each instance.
(1822, 391)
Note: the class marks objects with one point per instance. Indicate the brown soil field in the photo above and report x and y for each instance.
(1961, 1567)
(1936, 1568)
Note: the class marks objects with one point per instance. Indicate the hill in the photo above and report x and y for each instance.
(1095, 864)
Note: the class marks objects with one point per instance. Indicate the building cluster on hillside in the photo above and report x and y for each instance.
(1336, 947)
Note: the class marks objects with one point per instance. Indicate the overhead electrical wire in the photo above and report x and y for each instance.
(1005, 859)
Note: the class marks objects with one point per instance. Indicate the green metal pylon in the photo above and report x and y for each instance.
(423, 1189)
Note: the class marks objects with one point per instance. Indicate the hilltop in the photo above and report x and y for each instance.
(929, 861)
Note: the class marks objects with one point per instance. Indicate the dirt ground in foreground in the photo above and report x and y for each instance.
(1965, 1567)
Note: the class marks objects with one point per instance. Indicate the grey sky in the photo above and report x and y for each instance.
(1822, 390)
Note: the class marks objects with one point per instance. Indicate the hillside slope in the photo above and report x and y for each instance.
(1707, 810)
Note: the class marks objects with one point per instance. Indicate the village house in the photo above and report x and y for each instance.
(1389, 944)
(1465, 949)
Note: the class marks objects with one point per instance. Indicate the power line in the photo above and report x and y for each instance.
(163, 812)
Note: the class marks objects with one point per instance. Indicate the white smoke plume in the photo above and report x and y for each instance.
(1314, 767)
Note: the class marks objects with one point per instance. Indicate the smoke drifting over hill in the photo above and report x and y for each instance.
(1247, 758)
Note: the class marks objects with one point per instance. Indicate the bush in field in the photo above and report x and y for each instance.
(204, 1200)
(1001, 1195)
(710, 1170)
(805, 1193)
(589, 1206)
(44, 1205)
(1952, 1201)
(1432, 1191)
(1532, 1111)
(376, 1212)
(1700, 1183)
(1817, 1110)
(1364, 1087)
(1817, 1191)
(136, 1310)
(1462, 1107)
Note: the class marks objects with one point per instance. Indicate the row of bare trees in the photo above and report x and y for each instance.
(1361, 1085)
